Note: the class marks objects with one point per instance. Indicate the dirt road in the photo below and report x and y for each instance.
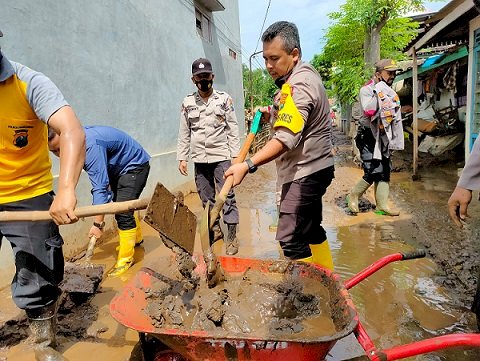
(403, 303)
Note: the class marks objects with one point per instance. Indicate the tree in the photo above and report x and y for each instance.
(263, 87)
(362, 32)
(373, 16)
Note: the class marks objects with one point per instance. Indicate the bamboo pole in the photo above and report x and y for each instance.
(415, 115)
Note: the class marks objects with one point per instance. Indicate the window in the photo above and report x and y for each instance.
(232, 53)
(203, 25)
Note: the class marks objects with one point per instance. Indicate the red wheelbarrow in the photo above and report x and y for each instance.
(166, 344)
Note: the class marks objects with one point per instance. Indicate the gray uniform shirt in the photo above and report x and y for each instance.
(208, 131)
(470, 178)
(310, 150)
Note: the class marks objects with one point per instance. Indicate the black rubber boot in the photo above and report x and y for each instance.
(231, 244)
(43, 324)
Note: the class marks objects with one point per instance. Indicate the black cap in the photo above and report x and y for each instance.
(201, 65)
(1, 34)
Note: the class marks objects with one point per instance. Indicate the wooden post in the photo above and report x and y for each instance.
(415, 116)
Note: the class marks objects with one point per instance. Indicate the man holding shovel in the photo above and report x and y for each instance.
(208, 135)
(28, 102)
(117, 162)
(301, 145)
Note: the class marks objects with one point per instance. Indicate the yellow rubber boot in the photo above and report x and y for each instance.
(321, 255)
(306, 260)
(125, 252)
(138, 234)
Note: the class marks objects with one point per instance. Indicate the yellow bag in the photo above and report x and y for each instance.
(288, 114)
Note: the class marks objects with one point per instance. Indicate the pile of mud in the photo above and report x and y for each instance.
(253, 303)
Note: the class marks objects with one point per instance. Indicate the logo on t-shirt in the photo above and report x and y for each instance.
(20, 138)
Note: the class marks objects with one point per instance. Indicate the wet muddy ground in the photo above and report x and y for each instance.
(404, 302)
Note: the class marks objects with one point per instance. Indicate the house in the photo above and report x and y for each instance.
(454, 32)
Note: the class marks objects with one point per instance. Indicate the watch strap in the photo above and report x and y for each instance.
(99, 225)
(251, 167)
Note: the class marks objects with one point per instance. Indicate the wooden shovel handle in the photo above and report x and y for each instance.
(222, 195)
(80, 212)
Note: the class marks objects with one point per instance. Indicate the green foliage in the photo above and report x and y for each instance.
(323, 66)
(263, 87)
(346, 38)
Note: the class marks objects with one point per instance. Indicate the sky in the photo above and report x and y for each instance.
(310, 16)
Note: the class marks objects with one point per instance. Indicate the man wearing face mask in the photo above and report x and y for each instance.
(301, 145)
(380, 132)
(208, 135)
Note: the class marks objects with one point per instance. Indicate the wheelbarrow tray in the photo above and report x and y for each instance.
(127, 307)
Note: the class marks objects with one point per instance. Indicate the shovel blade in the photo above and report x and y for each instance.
(82, 278)
(167, 214)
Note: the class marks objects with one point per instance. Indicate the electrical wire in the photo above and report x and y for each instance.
(264, 19)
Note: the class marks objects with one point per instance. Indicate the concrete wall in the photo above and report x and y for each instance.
(127, 64)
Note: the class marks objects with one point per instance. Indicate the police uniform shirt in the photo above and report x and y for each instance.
(208, 131)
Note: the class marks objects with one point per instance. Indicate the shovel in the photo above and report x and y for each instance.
(159, 216)
(214, 272)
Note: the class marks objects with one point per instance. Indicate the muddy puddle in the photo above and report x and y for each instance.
(283, 303)
(401, 303)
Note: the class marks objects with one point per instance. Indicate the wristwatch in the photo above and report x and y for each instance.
(99, 225)
(252, 168)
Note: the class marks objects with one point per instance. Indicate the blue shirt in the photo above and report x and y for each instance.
(111, 153)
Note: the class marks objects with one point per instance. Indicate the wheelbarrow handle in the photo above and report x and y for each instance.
(80, 212)
(382, 262)
(419, 253)
(430, 345)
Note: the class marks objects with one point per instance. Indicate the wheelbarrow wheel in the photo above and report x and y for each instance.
(168, 355)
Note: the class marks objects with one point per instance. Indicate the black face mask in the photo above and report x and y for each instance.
(280, 81)
(204, 85)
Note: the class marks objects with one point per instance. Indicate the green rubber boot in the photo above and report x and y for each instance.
(381, 196)
(357, 191)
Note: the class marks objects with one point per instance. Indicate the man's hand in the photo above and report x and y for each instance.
(265, 113)
(182, 167)
(95, 231)
(238, 171)
(458, 205)
(63, 206)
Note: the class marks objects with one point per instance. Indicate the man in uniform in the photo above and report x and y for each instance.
(28, 102)
(301, 145)
(379, 132)
(114, 162)
(461, 198)
(208, 135)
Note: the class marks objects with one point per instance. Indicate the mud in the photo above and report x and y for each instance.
(74, 322)
(455, 251)
(82, 278)
(75, 315)
(286, 303)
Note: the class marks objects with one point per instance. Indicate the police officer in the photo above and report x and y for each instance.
(379, 132)
(301, 146)
(208, 135)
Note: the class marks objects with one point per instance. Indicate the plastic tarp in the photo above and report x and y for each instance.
(435, 61)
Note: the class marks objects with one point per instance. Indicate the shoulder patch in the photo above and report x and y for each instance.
(288, 115)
